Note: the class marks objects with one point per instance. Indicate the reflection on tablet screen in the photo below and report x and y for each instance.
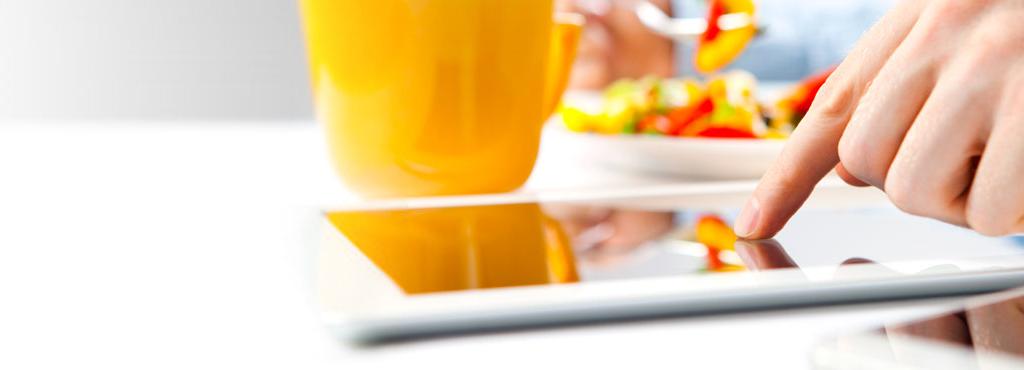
(472, 247)
(987, 333)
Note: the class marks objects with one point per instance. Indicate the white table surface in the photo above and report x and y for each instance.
(183, 245)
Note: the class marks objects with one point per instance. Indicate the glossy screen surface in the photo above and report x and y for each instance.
(445, 249)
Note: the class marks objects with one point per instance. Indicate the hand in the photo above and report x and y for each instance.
(615, 45)
(929, 107)
(610, 230)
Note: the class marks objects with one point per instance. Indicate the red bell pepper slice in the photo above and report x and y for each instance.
(683, 117)
(811, 85)
(726, 133)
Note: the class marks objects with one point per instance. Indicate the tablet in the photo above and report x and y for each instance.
(987, 332)
(409, 268)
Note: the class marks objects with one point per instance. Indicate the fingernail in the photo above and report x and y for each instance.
(746, 223)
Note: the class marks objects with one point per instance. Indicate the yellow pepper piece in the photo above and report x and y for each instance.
(718, 47)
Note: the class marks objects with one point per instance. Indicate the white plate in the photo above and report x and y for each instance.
(696, 158)
(693, 158)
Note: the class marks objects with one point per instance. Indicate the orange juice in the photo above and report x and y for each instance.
(434, 97)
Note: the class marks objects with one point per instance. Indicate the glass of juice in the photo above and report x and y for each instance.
(436, 97)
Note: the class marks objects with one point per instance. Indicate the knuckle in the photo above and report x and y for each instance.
(855, 155)
(941, 21)
(906, 188)
(904, 195)
(851, 156)
(985, 225)
(963, 68)
(989, 37)
(945, 12)
(835, 100)
(847, 177)
(991, 41)
(983, 49)
(985, 219)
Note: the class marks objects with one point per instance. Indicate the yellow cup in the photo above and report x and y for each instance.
(436, 97)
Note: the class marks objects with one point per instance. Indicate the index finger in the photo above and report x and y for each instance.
(812, 150)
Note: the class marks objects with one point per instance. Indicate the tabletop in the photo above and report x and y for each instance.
(186, 244)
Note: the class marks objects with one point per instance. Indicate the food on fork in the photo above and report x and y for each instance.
(719, 45)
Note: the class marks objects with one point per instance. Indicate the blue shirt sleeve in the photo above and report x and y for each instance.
(800, 37)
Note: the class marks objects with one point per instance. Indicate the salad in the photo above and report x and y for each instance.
(725, 106)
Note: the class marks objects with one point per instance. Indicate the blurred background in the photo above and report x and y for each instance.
(245, 59)
(152, 59)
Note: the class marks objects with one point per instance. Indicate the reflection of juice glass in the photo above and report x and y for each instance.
(445, 249)
(432, 97)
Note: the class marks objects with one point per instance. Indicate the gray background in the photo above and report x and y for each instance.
(152, 59)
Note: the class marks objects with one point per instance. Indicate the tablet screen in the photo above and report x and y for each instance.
(445, 249)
